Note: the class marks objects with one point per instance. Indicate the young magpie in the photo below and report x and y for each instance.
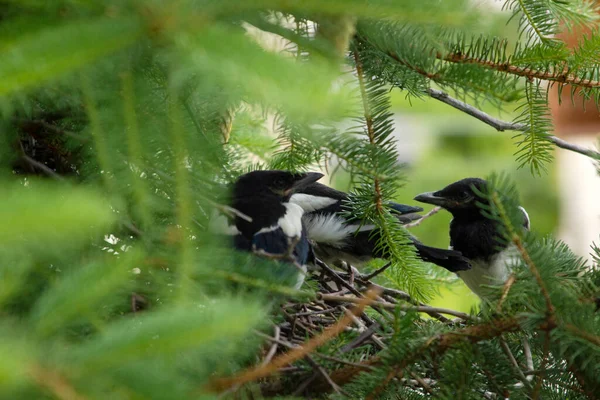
(276, 223)
(473, 234)
(335, 237)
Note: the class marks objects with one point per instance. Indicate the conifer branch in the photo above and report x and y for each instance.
(502, 126)
(368, 121)
(593, 339)
(545, 354)
(516, 240)
(440, 343)
(561, 76)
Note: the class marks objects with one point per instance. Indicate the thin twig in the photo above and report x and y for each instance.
(425, 309)
(43, 167)
(422, 383)
(528, 358)
(375, 273)
(406, 297)
(507, 285)
(418, 222)
(324, 356)
(501, 126)
(324, 374)
(514, 362)
(273, 348)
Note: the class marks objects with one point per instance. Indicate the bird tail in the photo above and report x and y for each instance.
(451, 260)
(405, 213)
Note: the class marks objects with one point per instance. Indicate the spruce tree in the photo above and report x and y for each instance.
(123, 123)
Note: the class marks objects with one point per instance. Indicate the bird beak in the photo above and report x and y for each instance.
(432, 198)
(307, 179)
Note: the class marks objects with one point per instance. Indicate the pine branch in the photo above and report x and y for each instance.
(368, 122)
(502, 126)
(517, 241)
(561, 76)
(438, 344)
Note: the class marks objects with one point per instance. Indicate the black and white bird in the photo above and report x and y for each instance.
(276, 223)
(336, 237)
(475, 235)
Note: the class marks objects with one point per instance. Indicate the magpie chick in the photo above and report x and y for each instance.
(474, 235)
(336, 237)
(276, 223)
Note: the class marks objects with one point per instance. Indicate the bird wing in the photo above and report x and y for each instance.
(319, 198)
(451, 260)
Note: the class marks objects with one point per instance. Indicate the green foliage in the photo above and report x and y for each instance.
(139, 114)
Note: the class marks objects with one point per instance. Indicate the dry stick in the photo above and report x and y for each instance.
(273, 348)
(501, 126)
(406, 297)
(528, 358)
(362, 328)
(507, 285)
(324, 356)
(336, 277)
(425, 309)
(514, 362)
(422, 383)
(43, 167)
(433, 211)
(321, 371)
(295, 354)
(376, 272)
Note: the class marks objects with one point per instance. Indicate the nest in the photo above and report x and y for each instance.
(341, 298)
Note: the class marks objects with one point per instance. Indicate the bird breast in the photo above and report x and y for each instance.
(494, 271)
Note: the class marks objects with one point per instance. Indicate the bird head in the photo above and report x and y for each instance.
(459, 197)
(279, 183)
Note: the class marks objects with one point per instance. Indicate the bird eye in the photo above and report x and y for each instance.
(278, 183)
(463, 195)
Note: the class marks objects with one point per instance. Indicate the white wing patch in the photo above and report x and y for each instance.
(331, 229)
(291, 222)
(310, 203)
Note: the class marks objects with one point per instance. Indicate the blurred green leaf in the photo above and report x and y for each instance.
(42, 216)
(90, 287)
(17, 360)
(302, 89)
(35, 58)
(169, 331)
